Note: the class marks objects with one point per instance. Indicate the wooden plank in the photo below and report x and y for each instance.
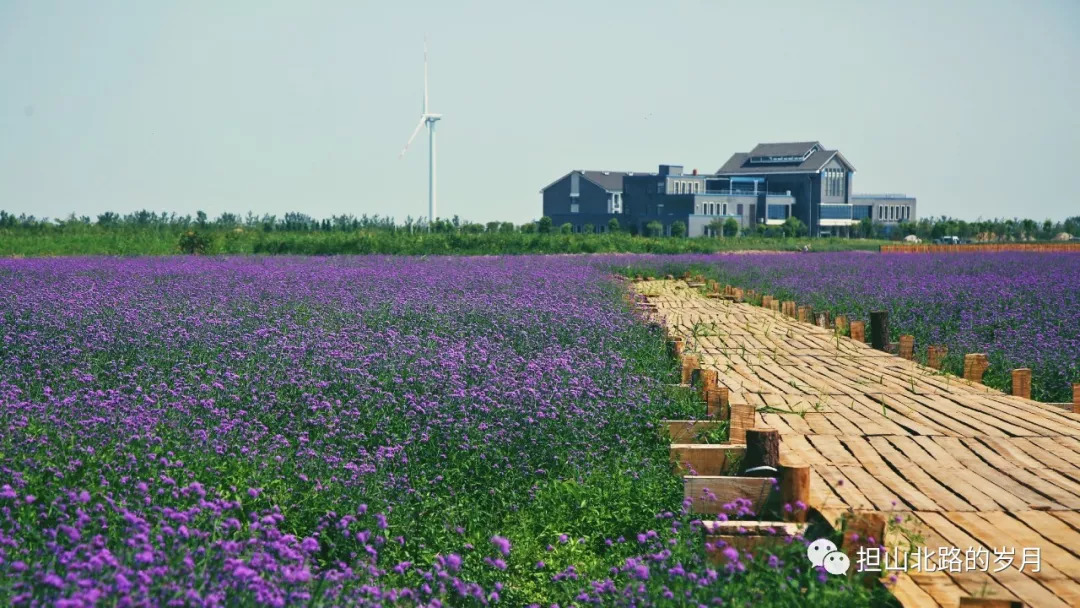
(705, 459)
(714, 494)
(687, 431)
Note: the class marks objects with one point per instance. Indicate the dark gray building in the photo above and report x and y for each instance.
(819, 181)
(765, 186)
(583, 198)
(888, 210)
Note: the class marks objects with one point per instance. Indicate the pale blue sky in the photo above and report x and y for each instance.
(304, 106)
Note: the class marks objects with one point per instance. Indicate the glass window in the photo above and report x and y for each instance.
(573, 207)
(738, 209)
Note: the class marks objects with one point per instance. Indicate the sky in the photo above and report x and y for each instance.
(269, 107)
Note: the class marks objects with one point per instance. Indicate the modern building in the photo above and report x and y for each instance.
(765, 186)
(888, 210)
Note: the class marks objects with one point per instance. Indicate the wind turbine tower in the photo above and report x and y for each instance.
(429, 119)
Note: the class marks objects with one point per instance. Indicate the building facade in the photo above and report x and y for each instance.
(888, 210)
(765, 186)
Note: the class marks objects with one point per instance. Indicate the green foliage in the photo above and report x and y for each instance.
(731, 227)
(654, 229)
(566, 228)
(793, 227)
(678, 229)
(544, 225)
(613, 225)
(193, 243)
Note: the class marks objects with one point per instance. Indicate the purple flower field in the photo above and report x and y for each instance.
(344, 431)
(1022, 309)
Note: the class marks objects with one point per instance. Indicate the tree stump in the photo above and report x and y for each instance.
(975, 365)
(1021, 382)
(879, 330)
(907, 347)
(762, 450)
(858, 331)
(935, 356)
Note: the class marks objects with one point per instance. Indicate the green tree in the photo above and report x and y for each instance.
(678, 229)
(731, 227)
(654, 228)
(566, 228)
(506, 227)
(793, 227)
(588, 229)
(529, 228)
(613, 225)
(1030, 228)
(544, 225)
(716, 227)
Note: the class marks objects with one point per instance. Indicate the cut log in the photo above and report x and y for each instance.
(762, 451)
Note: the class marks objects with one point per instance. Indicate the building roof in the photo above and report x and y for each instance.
(784, 149)
(608, 180)
(740, 163)
(612, 181)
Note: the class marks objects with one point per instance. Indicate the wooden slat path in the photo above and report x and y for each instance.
(962, 465)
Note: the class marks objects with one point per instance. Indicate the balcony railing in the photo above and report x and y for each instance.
(742, 193)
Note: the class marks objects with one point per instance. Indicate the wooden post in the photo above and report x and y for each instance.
(879, 330)
(795, 487)
(907, 346)
(858, 331)
(1021, 382)
(708, 381)
(717, 403)
(762, 450)
(766, 301)
(935, 356)
(774, 305)
(975, 365)
(789, 308)
(675, 347)
(804, 314)
(689, 364)
(841, 324)
(741, 419)
(822, 319)
(1076, 398)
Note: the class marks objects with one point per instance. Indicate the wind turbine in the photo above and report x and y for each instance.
(429, 119)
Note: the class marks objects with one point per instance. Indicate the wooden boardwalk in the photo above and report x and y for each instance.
(971, 470)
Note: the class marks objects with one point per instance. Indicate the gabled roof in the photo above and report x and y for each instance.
(784, 149)
(612, 181)
(740, 162)
(608, 180)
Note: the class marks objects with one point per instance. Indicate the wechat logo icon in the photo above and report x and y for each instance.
(822, 552)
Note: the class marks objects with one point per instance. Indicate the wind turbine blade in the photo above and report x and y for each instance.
(412, 137)
(425, 77)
